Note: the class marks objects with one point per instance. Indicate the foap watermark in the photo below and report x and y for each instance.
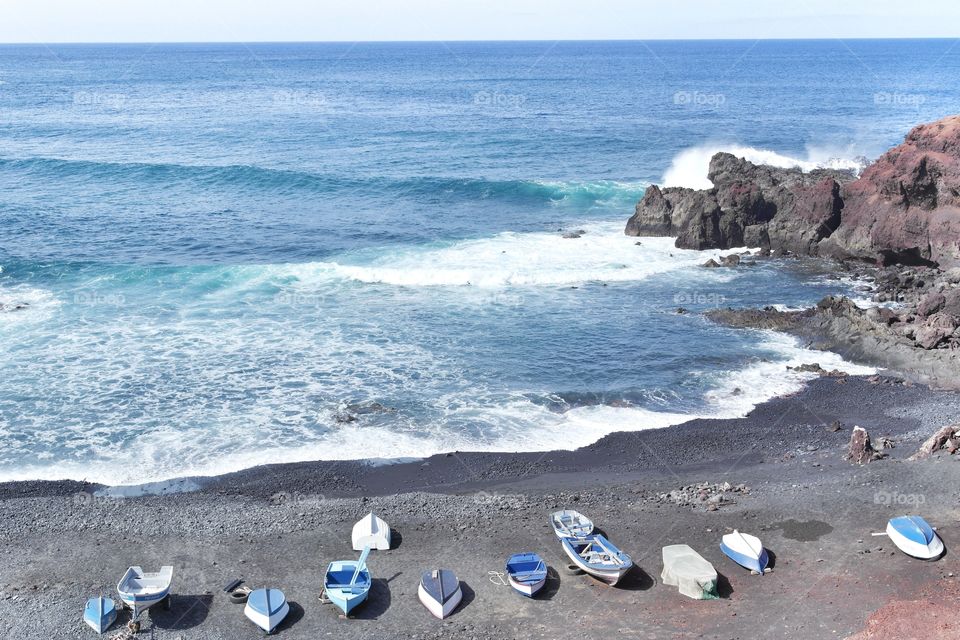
(699, 99)
(102, 99)
(296, 499)
(895, 498)
(99, 298)
(499, 100)
(88, 499)
(299, 98)
(492, 498)
(700, 298)
(299, 299)
(506, 299)
(897, 99)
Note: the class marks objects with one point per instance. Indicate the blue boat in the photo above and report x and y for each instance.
(527, 573)
(915, 537)
(347, 582)
(746, 550)
(100, 613)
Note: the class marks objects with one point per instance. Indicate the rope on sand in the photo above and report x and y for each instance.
(129, 632)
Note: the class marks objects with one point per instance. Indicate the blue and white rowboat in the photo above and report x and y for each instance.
(746, 550)
(915, 537)
(527, 573)
(140, 590)
(347, 582)
(598, 556)
(571, 524)
(100, 613)
(266, 608)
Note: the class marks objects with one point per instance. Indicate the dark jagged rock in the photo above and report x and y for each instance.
(904, 209)
(754, 205)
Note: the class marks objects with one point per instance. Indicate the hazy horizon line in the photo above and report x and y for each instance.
(480, 41)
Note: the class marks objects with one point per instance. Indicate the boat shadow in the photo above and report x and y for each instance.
(378, 600)
(550, 587)
(724, 588)
(469, 595)
(636, 579)
(293, 617)
(396, 538)
(186, 612)
(771, 559)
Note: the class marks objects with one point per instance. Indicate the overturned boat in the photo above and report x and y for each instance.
(440, 592)
(746, 550)
(915, 537)
(372, 532)
(100, 613)
(266, 608)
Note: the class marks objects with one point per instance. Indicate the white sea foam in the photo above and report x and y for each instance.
(21, 304)
(740, 391)
(689, 168)
(602, 254)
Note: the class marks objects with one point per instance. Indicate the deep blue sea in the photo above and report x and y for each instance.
(217, 249)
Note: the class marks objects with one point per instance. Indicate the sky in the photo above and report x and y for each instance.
(47, 21)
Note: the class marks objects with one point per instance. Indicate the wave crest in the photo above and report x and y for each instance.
(689, 168)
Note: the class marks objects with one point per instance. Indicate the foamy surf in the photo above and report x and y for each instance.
(602, 253)
(690, 167)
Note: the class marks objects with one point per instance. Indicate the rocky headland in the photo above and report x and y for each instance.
(896, 227)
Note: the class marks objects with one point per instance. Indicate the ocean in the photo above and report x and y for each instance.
(219, 256)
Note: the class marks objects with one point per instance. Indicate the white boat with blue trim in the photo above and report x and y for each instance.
(915, 537)
(599, 557)
(526, 573)
(571, 524)
(139, 590)
(266, 608)
(746, 550)
(347, 582)
(100, 613)
(440, 592)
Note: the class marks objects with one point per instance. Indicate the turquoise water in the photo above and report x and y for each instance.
(219, 248)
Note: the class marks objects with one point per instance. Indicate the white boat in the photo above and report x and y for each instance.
(440, 592)
(915, 537)
(746, 550)
(266, 608)
(598, 556)
(371, 532)
(690, 572)
(571, 524)
(140, 590)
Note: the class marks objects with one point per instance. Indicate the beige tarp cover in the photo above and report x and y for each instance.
(685, 568)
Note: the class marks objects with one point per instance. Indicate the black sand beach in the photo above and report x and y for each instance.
(280, 525)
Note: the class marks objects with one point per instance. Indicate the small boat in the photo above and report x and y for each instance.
(526, 572)
(266, 608)
(571, 524)
(597, 556)
(440, 592)
(140, 590)
(915, 537)
(100, 613)
(690, 572)
(371, 532)
(347, 582)
(746, 550)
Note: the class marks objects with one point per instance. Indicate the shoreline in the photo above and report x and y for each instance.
(615, 452)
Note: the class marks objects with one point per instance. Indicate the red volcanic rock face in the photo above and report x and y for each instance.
(906, 205)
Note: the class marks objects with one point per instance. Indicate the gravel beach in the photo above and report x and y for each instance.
(779, 473)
